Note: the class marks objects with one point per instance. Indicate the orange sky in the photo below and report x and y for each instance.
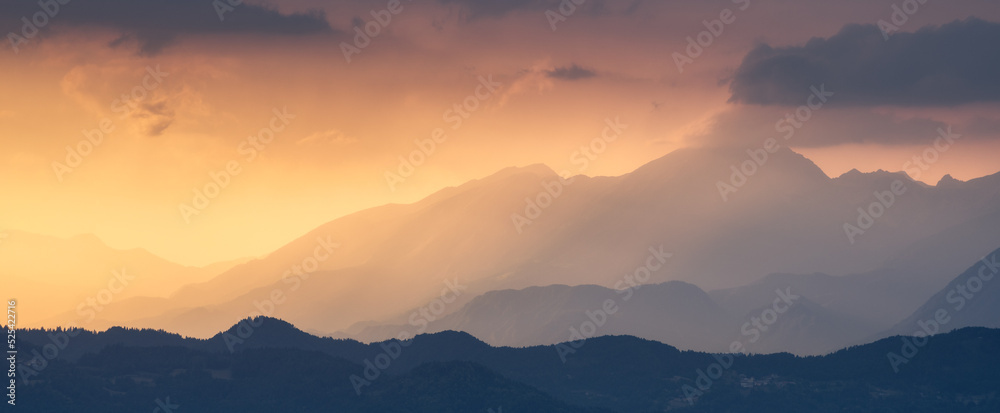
(352, 121)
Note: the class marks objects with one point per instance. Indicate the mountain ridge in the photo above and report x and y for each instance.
(588, 231)
(613, 373)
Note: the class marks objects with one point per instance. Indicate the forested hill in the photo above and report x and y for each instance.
(275, 367)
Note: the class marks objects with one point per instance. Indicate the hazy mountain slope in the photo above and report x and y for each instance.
(52, 277)
(325, 298)
(674, 201)
(674, 313)
(971, 299)
(806, 328)
(949, 251)
(788, 211)
(437, 232)
(885, 296)
(401, 258)
(395, 258)
(876, 297)
(600, 229)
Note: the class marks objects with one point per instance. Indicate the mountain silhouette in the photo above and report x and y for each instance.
(127, 370)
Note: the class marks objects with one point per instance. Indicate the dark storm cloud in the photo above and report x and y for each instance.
(983, 126)
(573, 72)
(953, 64)
(498, 8)
(155, 24)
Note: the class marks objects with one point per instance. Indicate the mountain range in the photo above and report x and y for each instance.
(278, 367)
(822, 313)
(526, 241)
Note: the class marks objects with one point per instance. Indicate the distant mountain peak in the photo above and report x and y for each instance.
(538, 169)
(854, 172)
(948, 180)
(854, 176)
(712, 162)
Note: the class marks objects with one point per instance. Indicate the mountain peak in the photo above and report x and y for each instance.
(853, 173)
(948, 180)
(854, 176)
(711, 163)
(538, 169)
(271, 327)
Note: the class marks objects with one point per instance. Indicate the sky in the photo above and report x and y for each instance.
(203, 131)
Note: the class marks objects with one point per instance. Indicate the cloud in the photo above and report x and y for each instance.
(114, 89)
(155, 24)
(746, 126)
(948, 65)
(573, 72)
(475, 9)
(154, 117)
(980, 125)
(534, 79)
(327, 137)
